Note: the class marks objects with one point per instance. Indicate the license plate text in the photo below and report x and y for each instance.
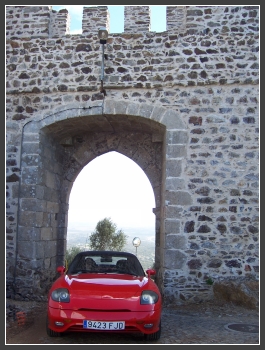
(102, 325)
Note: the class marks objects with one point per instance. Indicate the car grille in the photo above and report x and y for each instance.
(109, 310)
(79, 328)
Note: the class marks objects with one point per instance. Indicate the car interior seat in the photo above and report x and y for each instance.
(90, 264)
(122, 265)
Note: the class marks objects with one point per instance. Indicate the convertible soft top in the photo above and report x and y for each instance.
(106, 262)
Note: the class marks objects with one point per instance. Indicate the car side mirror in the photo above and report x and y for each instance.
(150, 272)
(61, 270)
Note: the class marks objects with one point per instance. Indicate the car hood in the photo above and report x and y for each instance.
(101, 292)
(97, 284)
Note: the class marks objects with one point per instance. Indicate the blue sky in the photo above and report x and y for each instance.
(158, 17)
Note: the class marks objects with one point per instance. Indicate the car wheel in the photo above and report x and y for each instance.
(153, 336)
(50, 332)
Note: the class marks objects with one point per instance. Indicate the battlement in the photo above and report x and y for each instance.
(94, 18)
(36, 22)
(44, 22)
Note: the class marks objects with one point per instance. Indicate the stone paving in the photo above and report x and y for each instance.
(206, 323)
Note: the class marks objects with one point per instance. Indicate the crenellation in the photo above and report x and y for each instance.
(136, 19)
(94, 18)
(42, 21)
(176, 18)
(59, 23)
(28, 21)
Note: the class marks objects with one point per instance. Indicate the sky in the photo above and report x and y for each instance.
(112, 185)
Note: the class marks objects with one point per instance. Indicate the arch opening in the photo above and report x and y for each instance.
(113, 186)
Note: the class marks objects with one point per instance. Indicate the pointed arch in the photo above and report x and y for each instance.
(55, 148)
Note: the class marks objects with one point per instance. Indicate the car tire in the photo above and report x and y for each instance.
(153, 336)
(50, 332)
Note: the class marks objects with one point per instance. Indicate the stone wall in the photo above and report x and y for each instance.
(190, 94)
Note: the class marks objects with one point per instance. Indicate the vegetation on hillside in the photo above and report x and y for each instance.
(105, 237)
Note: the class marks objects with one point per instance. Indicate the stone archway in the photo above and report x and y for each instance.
(54, 150)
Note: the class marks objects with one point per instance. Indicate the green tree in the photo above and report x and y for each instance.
(105, 237)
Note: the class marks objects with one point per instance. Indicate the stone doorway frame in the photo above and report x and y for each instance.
(47, 177)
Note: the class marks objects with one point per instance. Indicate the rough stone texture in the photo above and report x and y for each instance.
(244, 293)
(136, 19)
(183, 104)
(94, 18)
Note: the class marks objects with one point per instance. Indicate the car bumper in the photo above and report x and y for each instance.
(62, 320)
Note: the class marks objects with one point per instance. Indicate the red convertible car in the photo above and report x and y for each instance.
(104, 291)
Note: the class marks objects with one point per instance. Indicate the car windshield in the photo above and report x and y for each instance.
(106, 262)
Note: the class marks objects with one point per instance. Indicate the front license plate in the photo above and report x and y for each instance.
(104, 326)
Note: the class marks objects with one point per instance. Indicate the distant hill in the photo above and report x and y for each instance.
(78, 235)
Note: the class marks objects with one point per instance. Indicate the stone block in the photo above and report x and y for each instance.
(29, 233)
(158, 113)
(50, 180)
(30, 250)
(145, 110)
(173, 168)
(27, 218)
(46, 233)
(173, 212)
(31, 137)
(177, 137)
(53, 207)
(33, 204)
(50, 249)
(31, 148)
(172, 226)
(133, 109)
(176, 151)
(120, 107)
(30, 160)
(174, 183)
(109, 106)
(172, 120)
(31, 128)
(174, 259)
(173, 241)
(178, 198)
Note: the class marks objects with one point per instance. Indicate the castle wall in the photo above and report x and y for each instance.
(194, 87)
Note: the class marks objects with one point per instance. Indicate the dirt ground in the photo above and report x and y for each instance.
(204, 323)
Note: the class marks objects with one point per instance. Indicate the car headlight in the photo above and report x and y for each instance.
(61, 294)
(148, 297)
